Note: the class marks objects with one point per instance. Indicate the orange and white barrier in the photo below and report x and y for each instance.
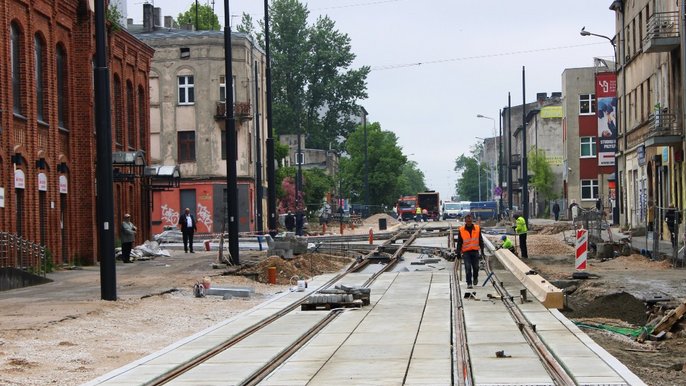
(581, 249)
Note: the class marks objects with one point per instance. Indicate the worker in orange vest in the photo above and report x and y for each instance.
(470, 246)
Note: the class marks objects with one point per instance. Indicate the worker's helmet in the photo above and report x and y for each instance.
(503, 237)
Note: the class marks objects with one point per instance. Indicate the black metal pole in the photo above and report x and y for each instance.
(231, 151)
(366, 161)
(525, 172)
(104, 183)
(500, 160)
(509, 152)
(197, 24)
(258, 155)
(298, 186)
(271, 168)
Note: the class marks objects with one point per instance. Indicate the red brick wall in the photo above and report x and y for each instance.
(67, 23)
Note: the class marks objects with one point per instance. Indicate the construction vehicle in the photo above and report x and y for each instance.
(430, 201)
(406, 207)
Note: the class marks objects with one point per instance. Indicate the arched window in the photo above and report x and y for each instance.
(142, 119)
(130, 117)
(118, 104)
(16, 51)
(62, 95)
(39, 53)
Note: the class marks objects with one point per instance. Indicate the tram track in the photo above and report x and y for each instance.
(262, 372)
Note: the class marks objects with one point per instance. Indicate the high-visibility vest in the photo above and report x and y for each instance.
(470, 241)
(418, 210)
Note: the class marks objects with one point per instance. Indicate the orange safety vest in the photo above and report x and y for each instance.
(469, 242)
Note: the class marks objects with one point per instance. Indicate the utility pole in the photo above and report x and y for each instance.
(258, 155)
(231, 155)
(271, 168)
(525, 171)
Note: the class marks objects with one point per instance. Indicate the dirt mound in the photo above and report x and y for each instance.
(300, 267)
(620, 305)
(547, 245)
(634, 262)
(373, 220)
(551, 229)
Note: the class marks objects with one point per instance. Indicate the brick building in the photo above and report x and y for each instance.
(47, 121)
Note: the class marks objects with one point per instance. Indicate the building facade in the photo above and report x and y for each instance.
(187, 112)
(651, 110)
(588, 171)
(47, 120)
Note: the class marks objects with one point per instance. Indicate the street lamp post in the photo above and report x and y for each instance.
(366, 162)
(491, 164)
(615, 209)
(481, 152)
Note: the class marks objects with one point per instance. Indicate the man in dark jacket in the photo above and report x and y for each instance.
(289, 221)
(470, 246)
(188, 228)
(672, 219)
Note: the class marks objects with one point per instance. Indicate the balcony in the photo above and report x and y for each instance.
(515, 161)
(241, 111)
(663, 130)
(662, 32)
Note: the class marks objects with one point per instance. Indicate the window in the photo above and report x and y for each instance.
(118, 120)
(39, 52)
(186, 90)
(222, 89)
(130, 117)
(588, 147)
(586, 104)
(142, 117)
(15, 58)
(186, 146)
(224, 144)
(62, 105)
(589, 189)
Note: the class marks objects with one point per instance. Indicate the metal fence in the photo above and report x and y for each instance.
(17, 252)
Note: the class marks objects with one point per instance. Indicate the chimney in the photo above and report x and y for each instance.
(148, 24)
(541, 97)
(556, 94)
(129, 22)
(157, 16)
(168, 22)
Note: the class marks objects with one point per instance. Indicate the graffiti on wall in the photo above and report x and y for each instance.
(204, 217)
(170, 216)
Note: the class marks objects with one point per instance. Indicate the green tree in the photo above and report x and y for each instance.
(207, 19)
(411, 179)
(542, 179)
(472, 172)
(316, 183)
(385, 159)
(314, 90)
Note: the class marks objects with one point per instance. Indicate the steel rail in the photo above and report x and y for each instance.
(555, 369)
(223, 346)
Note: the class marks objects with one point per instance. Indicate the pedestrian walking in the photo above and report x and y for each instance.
(470, 247)
(521, 230)
(556, 210)
(127, 235)
(188, 228)
(672, 219)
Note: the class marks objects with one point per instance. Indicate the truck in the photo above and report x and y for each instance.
(484, 210)
(406, 207)
(430, 201)
(454, 210)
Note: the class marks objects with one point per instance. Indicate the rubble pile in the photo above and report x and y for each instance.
(302, 267)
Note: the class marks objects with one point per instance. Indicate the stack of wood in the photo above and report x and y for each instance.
(663, 324)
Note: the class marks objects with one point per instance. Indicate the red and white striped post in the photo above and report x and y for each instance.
(581, 249)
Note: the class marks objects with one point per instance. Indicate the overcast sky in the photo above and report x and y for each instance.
(436, 64)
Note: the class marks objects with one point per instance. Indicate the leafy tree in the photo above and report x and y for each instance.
(316, 183)
(543, 178)
(385, 159)
(207, 19)
(313, 88)
(411, 179)
(473, 172)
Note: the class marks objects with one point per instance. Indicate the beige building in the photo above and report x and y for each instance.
(650, 91)
(187, 106)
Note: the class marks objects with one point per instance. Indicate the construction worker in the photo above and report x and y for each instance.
(507, 244)
(521, 230)
(418, 214)
(470, 246)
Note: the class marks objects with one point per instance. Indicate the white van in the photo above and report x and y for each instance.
(454, 210)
